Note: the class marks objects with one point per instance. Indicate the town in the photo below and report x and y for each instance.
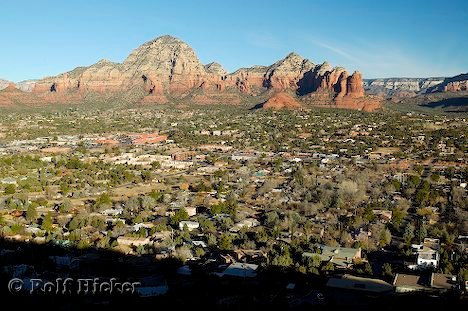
(331, 200)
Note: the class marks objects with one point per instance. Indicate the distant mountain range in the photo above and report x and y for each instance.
(413, 86)
(167, 70)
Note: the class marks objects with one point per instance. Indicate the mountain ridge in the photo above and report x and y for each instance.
(166, 68)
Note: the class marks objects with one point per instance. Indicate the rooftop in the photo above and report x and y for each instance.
(410, 280)
(443, 281)
(241, 270)
(360, 283)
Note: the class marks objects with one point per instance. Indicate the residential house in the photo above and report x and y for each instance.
(243, 270)
(356, 283)
(341, 257)
(427, 254)
(245, 223)
(190, 225)
(383, 215)
(135, 241)
(361, 235)
(433, 282)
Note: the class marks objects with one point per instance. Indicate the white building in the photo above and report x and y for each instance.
(246, 223)
(427, 254)
(190, 225)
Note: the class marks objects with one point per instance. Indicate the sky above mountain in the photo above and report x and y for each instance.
(380, 38)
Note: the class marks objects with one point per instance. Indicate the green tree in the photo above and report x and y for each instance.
(206, 224)
(17, 228)
(10, 189)
(278, 164)
(65, 206)
(146, 176)
(31, 214)
(368, 269)
(396, 184)
(75, 223)
(202, 187)
(408, 235)
(47, 223)
(312, 263)
(225, 242)
(387, 272)
(385, 238)
(104, 199)
(211, 239)
(421, 233)
(155, 165)
(397, 217)
(281, 257)
(180, 215)
(156, 195)
(199, 252)
(64, 189)
(329, 267)
(83, 244)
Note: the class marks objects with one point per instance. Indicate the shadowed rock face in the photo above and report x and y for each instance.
(453, 84)
(167, 68)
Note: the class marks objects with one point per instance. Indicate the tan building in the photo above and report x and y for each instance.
(135, 241)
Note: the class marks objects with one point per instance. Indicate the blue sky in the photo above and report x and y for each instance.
(379, 38)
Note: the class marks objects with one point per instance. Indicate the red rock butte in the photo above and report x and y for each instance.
(166, 70)
(281, 100)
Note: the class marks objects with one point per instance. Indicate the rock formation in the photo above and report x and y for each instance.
(286, 73)
(281, 100)
(404, 87)
(166, 69)
(216, 69)
(4, 84)
(453, 84)
(11, 95)
(354, 86)
(26, 86)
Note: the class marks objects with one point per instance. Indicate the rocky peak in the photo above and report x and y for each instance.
(104, 62)
(215, 68)
(286, 73)
(11, 87)
(165, 56)
(26, 86)
(3, 84)
(165, 39)
(293, 62)
(323, 68)
(355, 86)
